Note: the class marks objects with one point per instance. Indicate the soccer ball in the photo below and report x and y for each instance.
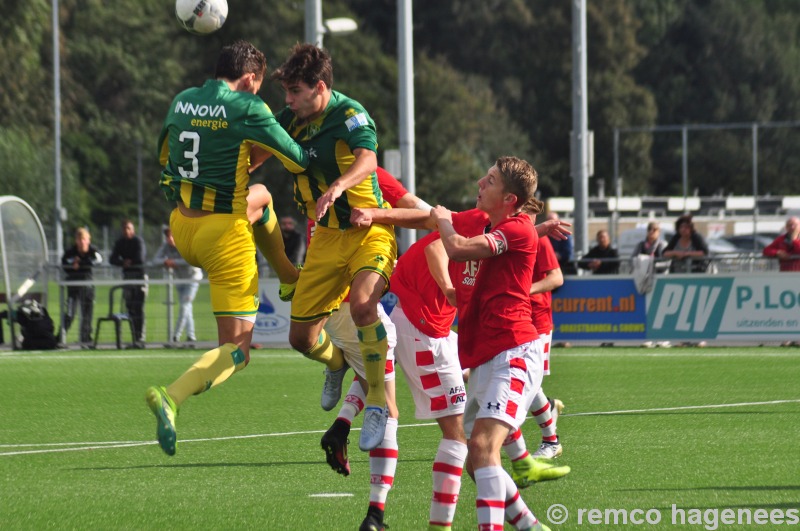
(201, 17)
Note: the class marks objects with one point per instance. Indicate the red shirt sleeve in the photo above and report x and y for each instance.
(391, 188)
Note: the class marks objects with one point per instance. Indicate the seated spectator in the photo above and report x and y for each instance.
(687, 249)
(786, 247)
(602, 259)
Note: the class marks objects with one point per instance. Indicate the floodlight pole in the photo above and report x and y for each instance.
(405, 51)
(57, 131)
(314, 28)
(579, 152)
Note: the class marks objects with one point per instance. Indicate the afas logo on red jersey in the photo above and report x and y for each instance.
(469, 272)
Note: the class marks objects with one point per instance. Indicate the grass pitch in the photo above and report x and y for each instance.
(682, 434)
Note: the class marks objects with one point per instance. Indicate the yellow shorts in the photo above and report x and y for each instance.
(334, 258)
(222, 244)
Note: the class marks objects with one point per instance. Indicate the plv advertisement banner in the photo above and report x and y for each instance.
(742, 307)
(598, 309)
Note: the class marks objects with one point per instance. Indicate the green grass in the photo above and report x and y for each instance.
(249, 456)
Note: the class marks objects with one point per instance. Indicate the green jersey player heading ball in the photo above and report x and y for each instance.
(205, 147)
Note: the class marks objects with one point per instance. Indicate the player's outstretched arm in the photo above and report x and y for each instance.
(409, 218)
(458, 247)
(554, 228)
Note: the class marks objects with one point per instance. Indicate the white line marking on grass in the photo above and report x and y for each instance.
(679, 408)
(332, 495)
(84, 446)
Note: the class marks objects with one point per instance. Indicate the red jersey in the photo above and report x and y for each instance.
(497, 315)
(391, 188)
(420, 296)
(546, 261)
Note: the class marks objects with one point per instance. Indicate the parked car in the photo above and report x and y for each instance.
(744, 242)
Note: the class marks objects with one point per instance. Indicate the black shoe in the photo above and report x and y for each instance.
(373, 521)
(335, 442)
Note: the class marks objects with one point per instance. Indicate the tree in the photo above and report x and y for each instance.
(723, 62)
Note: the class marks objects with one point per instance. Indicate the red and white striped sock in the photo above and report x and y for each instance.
(490, 501)
(353, 403)
(540, 409)
(382, 466)
(514, 446)
(516, 512)
(447, 468)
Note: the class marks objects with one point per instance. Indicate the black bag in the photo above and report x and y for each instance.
(38, 330)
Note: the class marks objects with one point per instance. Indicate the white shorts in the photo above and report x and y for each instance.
(503, 388)
(344, 334)
(547, 340)
(431, 368)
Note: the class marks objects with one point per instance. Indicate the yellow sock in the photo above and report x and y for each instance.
(326, 352)
(374, 345)
(213, 368)
(269, 241)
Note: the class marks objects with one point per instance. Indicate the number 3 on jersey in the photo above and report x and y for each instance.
(191, 154)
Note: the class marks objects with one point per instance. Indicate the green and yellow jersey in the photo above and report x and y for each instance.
(205, 145)
(330, 140)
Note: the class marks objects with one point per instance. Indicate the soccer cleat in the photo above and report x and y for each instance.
(527, 471)
(373, 521)
(556, 407)
(538, 526)
(432, 527)
(286, 291)
(335, 442)
(332, 390)
(164, 409)
(548, 450)
(374, 427)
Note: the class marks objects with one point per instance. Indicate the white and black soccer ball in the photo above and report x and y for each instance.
(201, 17)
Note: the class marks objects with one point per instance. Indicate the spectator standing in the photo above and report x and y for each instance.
(293, 241)
(786, 247)
(564, 250)
(602, 259)
(168, 256)
(653, 246)
(129, 253)
(77, 263)
(686, 248)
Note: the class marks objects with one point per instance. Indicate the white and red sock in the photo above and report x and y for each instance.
(516, 512)
(491, 499)
(514, 446)
(447, 468)
(353, 403)
(382, 466)
(540, 409)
